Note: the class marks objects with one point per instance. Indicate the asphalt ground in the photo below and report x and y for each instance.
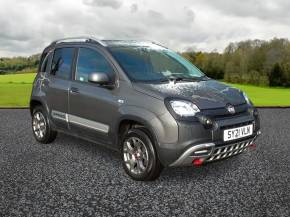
(72, 177)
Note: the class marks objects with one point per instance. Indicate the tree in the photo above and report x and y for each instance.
(248, 62)
(276, 75)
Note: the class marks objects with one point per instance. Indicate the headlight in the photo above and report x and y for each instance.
(184, 108)
(247, 98)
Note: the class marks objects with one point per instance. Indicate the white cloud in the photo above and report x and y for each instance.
(28, 26)
(115, 4)
(134, 8)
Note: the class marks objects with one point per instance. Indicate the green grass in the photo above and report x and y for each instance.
(15, 91)
(266, 96)
(17, 78)
(15, 95)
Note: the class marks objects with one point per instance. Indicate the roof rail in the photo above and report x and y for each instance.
(79, 39)
(157, 43)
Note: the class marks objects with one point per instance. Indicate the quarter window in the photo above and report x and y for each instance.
(44, 64)
(62, 62)
(91, 61)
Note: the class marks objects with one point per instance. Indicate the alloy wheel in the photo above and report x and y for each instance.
(39, 125)
(135, 155)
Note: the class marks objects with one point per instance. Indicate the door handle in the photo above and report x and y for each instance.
(74, 90)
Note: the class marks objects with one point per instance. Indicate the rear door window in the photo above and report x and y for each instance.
(62, 62)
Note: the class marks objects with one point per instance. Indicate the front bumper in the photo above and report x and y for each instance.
(209, 152)
(193, 136)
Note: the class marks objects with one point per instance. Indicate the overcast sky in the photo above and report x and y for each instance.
(26, 27)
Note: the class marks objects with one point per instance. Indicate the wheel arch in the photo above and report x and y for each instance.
(36, 102)
(131, 121)
(142, 124)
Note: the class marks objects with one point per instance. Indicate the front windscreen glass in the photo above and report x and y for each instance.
(149, 64)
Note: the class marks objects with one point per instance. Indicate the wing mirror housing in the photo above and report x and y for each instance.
(101, 79)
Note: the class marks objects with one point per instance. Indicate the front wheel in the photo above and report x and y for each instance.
(41, 127)
(140, 159)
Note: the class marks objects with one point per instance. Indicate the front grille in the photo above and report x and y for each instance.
(236, 125)
(222, 113)
(226, 115)
(222, 152)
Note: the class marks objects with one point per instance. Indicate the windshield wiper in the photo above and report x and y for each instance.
(192, 79)
(176, 79)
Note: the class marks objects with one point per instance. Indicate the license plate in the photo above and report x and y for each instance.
(237, 133)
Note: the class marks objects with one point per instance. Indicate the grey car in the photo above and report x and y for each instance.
(141, 99)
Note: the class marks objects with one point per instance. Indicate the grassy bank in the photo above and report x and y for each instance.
(15, 91)
(17, 78)
(266, 96)
(15, 95)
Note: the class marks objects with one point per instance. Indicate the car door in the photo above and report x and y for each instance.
(57, 84)
(92, 107)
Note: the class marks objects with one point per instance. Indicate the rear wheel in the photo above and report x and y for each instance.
(41, 127)
(140, 159)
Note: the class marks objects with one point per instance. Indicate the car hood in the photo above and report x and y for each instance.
(205, 94)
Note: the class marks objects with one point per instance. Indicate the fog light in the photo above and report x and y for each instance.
(206, 121)
(197, 162)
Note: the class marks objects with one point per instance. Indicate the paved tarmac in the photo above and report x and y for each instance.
(72, 177)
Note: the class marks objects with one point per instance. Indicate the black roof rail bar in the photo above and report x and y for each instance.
(79, 39)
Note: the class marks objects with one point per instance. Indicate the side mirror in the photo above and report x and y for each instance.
(99, 78)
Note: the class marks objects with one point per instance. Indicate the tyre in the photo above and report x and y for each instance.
(41, 127)
(140, 159)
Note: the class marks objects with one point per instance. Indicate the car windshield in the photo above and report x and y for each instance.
(153, 64)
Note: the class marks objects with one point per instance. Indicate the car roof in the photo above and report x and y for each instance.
(105, 43)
